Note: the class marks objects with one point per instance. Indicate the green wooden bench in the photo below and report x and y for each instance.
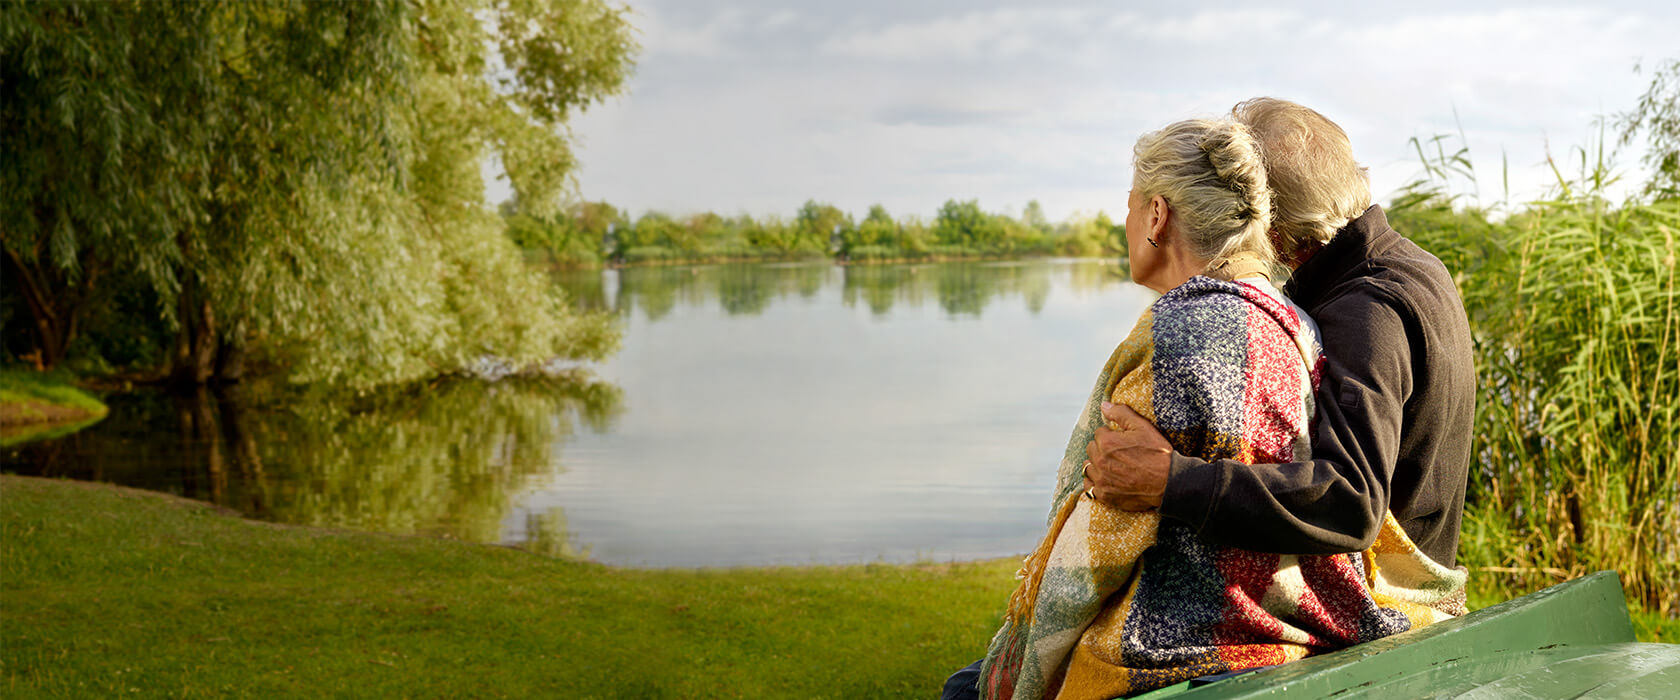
(1571, 640)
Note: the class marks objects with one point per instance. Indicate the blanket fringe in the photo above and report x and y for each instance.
(1002, 664)
(1032, 570)
(1008, 650)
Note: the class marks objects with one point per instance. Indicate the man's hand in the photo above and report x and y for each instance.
(1127, 468)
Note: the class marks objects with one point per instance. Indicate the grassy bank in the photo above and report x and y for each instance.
(35, 405)
(110, 591)
(107, 591)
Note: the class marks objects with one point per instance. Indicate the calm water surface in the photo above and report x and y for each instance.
(762, 414)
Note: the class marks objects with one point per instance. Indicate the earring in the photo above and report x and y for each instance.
(1152, 243)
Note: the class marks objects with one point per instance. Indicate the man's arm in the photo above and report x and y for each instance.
(1333, 503)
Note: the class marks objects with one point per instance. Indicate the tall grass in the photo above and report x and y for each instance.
(1576, 319)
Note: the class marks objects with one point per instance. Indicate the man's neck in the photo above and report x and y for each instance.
(1304, 253)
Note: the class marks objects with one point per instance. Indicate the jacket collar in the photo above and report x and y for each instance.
(1353, 244)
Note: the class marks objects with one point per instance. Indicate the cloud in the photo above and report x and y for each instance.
(661, 37)
(758, 107)
(1209, 26)
(723, 32)
(990, 33)
(778, 20)
(1050, 32)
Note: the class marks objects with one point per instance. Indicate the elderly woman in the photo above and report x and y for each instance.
(1115, 603)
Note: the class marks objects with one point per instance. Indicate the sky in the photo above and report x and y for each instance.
(753, 106)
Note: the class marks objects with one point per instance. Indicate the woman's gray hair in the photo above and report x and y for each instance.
(1211, 174)
(1317, 186)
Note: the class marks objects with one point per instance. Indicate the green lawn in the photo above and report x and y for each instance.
(107, 591)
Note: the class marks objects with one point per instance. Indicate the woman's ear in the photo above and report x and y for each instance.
(1160, 213)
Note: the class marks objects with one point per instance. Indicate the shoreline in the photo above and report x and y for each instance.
(112, 590)
(34, 405)
(607, 265)
(190, 503)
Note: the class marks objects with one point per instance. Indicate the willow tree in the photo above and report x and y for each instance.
(309, 182)
(94, 172)
(305, 201)
(1657, 117)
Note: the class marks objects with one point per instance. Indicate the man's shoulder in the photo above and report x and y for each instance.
(1397, 273)
(1400, 259)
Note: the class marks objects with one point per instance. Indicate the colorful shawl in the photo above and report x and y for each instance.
(1114, 603)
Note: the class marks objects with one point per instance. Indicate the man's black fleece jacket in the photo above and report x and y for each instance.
(1396, 405)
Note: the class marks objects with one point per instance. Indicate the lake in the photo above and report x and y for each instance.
(756, 415)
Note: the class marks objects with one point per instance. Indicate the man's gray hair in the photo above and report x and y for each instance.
(1210, 173)
(1317, 186)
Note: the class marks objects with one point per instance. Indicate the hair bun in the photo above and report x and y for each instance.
(1212, 175)
(1235, 157)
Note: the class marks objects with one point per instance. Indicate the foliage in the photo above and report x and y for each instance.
(1657, 116)
(816, 231)
(1033, 217)
(299, 179)
(816, 225)
(964, 224)
(1092, 236)
(110, 591)
(1576, 455)
(876, 237)
(85, 165)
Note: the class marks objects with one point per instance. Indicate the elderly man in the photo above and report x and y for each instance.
(1397, 397)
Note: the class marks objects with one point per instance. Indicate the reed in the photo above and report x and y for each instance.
(1573, 305)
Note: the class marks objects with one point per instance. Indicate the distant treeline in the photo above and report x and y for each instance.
(596, 233)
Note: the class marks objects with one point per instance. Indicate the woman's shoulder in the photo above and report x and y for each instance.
(1206, 315)
(1203, 301)
(1201, 290)
(1201, 317)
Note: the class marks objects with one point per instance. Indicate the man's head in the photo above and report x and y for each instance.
(1317, 186)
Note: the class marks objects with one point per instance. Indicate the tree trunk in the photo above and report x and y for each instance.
(195, 347)
(230, 360)
(247, 459)
(53, 311)
(201, 440)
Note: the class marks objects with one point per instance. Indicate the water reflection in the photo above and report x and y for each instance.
(757, 414)
(819, 414)
(445, 459)
(958, 288)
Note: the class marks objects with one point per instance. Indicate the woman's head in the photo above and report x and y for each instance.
(1201, 183)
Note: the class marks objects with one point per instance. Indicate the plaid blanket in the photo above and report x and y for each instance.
(1114, 603)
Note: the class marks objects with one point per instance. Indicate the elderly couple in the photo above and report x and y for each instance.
(1259, 474)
